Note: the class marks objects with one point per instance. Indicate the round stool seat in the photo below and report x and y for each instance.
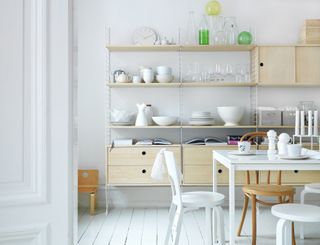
(297, 212)
(202, 199)
(314, 187)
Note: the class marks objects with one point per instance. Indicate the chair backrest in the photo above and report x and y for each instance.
(253, 137)
(174, 177)
(88, 178)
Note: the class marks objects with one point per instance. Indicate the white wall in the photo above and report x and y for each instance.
(275, 21)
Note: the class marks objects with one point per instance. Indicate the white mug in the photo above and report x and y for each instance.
(148, 76)
(244, 146)
(294, 150)
(282, 148)
(136, 79)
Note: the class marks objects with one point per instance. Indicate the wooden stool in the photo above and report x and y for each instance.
(309, 188)
(289, 213)
(88, 182)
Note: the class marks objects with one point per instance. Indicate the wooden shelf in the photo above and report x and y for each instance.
(139, 146)
(289, 85)
(143, 85)
(143, 127)
(275, 126)
(183, 48)
(141, 48)
(219, 126)
(213, 48)
(218, 84)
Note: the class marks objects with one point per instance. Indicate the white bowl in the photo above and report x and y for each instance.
(164, 78)
(231, 115)
(164, 70)
(164, 121)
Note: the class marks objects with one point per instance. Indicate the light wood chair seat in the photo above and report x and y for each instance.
(87, 189)
(268, 190)
(255, 192)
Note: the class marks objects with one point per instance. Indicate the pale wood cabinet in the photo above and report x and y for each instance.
(132, 165)
(197, 166)
(308, 65)
(276, 65)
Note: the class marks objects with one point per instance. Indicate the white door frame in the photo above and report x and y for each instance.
(38, 206)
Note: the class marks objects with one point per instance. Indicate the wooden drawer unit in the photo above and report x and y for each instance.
(294, 177)
(133, 175)
(138, 155)
(132, 165)
(308, 63)
(197, 166)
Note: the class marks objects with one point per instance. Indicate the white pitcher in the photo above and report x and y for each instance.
(141, 117)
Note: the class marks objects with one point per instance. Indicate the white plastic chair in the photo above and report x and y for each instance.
(289, 213)
(211, 201)
(309, 188)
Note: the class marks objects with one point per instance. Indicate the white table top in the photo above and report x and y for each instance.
(261, 161)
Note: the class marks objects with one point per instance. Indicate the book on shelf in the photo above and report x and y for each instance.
(233, 139)
(156, 141)
(122, 142)
(206, 141)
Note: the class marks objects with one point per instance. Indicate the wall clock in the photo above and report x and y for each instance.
(144, 36)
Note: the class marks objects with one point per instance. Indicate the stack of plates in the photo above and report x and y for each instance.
(201, 118)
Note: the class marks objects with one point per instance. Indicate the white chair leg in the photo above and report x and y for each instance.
(178, 225)
(220, 224)
(209, 226)
(172, 213)
(301, 224)
(281, 232)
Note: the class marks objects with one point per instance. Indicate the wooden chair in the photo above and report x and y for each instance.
(88, 182)
(284, 194)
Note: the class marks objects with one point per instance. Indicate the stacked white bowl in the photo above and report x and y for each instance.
(201, 118)
(164, 74)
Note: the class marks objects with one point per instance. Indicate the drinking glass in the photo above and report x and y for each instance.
(240, 73)
(229, 72)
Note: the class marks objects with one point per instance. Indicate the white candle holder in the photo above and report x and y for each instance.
(313, 139)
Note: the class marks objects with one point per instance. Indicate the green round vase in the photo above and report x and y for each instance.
(245, 38)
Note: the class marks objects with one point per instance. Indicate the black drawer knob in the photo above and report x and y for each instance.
(144, 171)
(261, 64)
(143, 153)
(220, 171)
(296, 171)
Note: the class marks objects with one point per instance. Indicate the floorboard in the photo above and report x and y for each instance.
(141, 226)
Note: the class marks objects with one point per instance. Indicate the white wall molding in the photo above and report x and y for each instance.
(33, 186)
(37, 234)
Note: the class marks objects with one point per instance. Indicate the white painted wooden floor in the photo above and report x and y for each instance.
(147, 227)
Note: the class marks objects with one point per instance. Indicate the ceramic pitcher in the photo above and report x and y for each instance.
(141, 117)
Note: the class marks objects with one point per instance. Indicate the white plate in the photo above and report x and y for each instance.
(122, 123)
(201, 123)
(302, 157)
(237, 153)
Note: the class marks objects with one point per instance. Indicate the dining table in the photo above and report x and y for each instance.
(258, 161)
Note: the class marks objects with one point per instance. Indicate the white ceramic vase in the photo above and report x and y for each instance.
(141, 117)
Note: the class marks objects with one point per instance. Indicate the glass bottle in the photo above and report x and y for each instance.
(204, 32)
(191, 30)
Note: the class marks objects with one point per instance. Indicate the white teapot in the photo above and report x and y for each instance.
(283, 142)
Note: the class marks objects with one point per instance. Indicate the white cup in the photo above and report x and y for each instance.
(148, 76)
(136, 79)
(294, 150)
(244, 146)
(282, 148)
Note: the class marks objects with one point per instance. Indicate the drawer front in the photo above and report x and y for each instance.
(202, 155)
(138, 155)
(202, 175)
(293, 177)
(133, 175)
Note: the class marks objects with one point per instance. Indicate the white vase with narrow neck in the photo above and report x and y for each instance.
(141, 117)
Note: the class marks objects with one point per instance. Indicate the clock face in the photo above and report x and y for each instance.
(144, 36)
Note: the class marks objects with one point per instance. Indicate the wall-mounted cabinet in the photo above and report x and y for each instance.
(277, 65)
(308, 65)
